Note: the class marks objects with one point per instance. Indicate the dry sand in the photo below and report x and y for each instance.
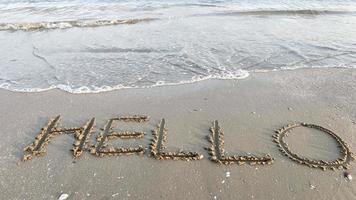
(248, 110)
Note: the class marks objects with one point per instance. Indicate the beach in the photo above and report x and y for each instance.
(248, 110)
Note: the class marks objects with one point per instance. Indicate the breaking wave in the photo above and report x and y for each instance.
(240, 74)
(307, 12)
(40, 26)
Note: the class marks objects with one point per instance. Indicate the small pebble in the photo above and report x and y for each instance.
(63, 197)
(227, 174)
(348, 176)
(312, 187)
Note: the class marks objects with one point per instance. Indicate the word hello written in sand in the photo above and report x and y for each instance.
(156, 147)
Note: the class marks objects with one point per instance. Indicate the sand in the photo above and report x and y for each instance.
(248, 110)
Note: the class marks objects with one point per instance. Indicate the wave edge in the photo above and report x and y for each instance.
(41, 26)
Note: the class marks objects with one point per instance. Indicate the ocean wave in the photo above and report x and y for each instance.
(239, 74)
(40, 26)
(90, 23)
(308, 12)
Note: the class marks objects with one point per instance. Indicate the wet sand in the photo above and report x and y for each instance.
(248, 110)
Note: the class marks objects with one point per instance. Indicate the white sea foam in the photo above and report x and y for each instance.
(40, 26)
(240, 74)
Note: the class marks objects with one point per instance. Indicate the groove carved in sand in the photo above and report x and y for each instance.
(38, 147)
(82, 138)
(101, 148)
(158, 144)
(134, 118)
(217, 151)
(343, 162)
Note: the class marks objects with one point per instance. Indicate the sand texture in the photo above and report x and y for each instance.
(174, 158)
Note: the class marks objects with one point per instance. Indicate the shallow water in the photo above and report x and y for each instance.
(93, 46)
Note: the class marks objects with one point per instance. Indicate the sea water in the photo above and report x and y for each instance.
(100, 45)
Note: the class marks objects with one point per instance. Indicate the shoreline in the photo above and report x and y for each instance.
(249, 111)
(86, 90)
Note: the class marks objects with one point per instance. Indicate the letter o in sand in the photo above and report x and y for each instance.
(343, 162)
